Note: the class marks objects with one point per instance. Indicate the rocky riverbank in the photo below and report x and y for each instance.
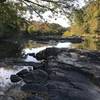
(63, 74)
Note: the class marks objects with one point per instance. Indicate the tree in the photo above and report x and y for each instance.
(2, 1)
(38, 7)
(12, 11)
(86, 20)
(8, 16)
(10, 19)
(45, 29)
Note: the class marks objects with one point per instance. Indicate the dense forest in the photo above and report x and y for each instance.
(85, 21)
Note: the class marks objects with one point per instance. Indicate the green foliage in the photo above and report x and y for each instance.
(37, 28)
(78, 16)
(87, 19)
(8, 17)
(2, 1)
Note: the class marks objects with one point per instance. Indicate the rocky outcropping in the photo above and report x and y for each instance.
(69, 75)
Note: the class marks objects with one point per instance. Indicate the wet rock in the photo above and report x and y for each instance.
(92, 56)
(34, 98)
(67, 76)
(77, 91)
(34, 88)
(15, 78)
(36, 76)
(22, 73)
(39, 65)
(47, 53)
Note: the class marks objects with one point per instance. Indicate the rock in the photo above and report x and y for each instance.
(66, 74)
(92, 56)
(39, 65)
(47, 53)
(32, 54)
(22, 73)
(15, 78)
(34, 88)
(4, 97)
(34, 98)
(36, 76)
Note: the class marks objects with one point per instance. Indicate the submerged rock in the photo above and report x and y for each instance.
(47, 53)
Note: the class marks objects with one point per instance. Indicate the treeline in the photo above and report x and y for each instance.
(85, 21)
(13, 25)
(47, 29)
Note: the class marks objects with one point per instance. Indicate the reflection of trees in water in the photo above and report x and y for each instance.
(91, 43)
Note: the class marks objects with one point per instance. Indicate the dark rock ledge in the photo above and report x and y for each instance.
(65, 74)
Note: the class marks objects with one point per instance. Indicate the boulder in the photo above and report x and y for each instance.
(15, 78)
(22, 73)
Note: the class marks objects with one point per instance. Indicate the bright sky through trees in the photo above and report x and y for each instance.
(60, 19)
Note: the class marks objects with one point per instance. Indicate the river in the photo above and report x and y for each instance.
(34, 47)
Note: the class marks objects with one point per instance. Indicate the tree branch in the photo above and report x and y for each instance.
(42, 6)
(35, 11)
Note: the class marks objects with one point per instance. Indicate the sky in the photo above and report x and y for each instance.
(61, 19)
